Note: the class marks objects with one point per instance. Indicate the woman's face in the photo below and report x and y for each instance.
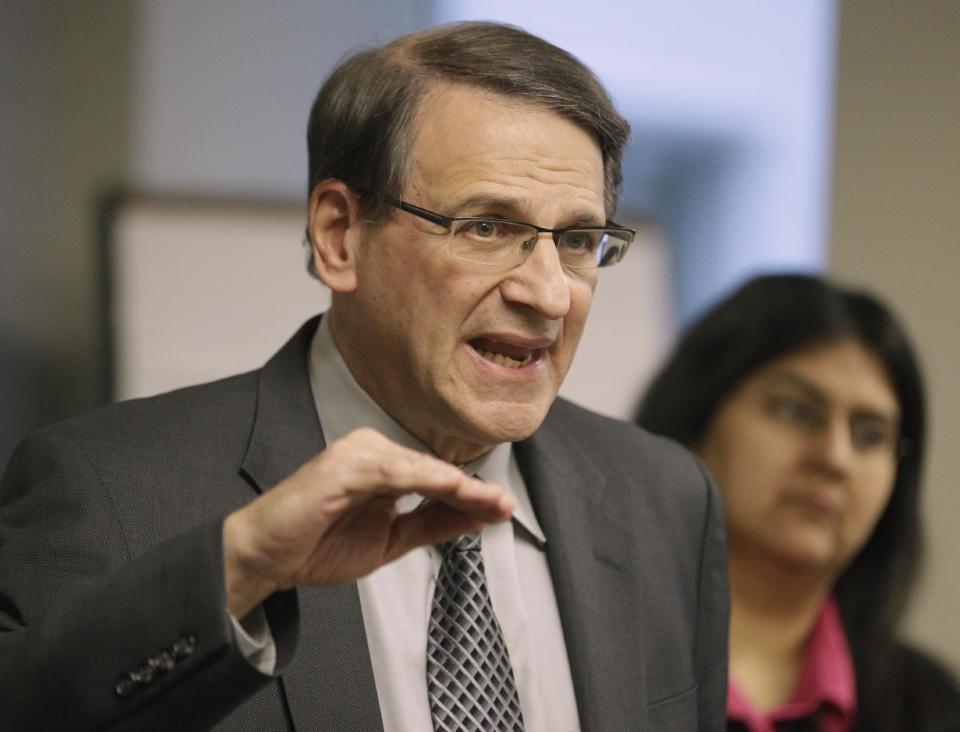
(804, 452)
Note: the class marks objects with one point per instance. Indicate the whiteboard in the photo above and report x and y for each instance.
(201, 288)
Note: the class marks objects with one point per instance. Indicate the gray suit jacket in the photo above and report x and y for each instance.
(111, 591)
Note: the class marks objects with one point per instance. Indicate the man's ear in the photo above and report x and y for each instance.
(335, 230)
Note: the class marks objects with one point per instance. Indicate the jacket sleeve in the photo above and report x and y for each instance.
(92, 637)
(713, 616)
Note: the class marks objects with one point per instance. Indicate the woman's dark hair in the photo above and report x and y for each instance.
(772, 316)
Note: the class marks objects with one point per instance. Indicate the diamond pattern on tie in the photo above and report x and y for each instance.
(469, 677)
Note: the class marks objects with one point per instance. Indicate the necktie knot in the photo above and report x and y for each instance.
(465, 543)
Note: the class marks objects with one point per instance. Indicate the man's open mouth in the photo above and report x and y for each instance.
(504, 354)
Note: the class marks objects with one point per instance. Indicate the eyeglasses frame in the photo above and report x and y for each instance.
(448, 221)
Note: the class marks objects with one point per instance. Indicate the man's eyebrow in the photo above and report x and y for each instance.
(512, 206)
(585, 218)
(519, 208)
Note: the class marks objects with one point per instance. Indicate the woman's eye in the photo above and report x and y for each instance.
(868, 438)
(792, 410)
(872, 436)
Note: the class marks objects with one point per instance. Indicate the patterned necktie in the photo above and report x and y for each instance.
(469, 677)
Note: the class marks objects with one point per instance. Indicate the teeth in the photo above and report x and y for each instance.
(500, 359)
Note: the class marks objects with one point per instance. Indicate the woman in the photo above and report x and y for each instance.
(806, 402)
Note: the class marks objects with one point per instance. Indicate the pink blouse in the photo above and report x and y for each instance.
(825, 687)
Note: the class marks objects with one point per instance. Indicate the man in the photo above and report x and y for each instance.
(270, 551)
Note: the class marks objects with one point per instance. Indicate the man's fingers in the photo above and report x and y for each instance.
(431, 523)
(367, 464)
(434, 522)
(340, 508)
(487, 501)
(367, 461)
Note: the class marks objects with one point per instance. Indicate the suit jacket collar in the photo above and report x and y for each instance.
(330, 684)
(285, 432)
(588, 554)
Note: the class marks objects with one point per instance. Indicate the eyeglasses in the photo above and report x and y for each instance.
(505, 244)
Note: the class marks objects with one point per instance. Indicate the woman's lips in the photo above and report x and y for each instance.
(822, 503)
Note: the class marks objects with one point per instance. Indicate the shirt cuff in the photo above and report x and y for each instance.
(255, 641)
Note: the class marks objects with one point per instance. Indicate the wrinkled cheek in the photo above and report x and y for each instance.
(566, 352)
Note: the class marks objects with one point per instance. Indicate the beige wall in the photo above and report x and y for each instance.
(896, 229)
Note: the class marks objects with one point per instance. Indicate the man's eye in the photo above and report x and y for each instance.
(580, 241)
(480, 229)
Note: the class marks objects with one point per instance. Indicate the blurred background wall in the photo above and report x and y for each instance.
(65, 80)
(896, 229)
(806, 135)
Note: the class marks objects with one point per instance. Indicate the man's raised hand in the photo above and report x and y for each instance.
(334, 520)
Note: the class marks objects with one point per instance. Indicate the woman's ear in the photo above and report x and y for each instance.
(334, 227)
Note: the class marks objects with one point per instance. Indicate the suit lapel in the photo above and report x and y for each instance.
(330, 684)
(588, 554)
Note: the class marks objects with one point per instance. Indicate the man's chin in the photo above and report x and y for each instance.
(511, 422)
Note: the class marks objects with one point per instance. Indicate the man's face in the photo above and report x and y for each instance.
(462, 355)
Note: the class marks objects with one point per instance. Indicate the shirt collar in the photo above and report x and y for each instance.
(345, 406)
(827, 671)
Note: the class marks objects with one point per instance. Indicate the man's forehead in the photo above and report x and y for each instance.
(461, 132)
(457, 105)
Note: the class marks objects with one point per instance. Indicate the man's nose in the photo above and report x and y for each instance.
(540, 281)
